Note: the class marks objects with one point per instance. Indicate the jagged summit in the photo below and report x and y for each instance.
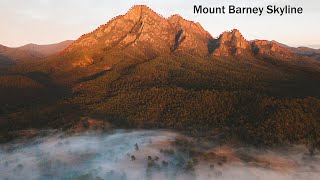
(145, 34)
(142, 33)
(231, 43)
(142, 13)
(190, 36)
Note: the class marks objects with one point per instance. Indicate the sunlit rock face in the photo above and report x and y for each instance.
(150, 31)
(271, 49)
(136, 155)
(190, 37)
(142, 33)
(231, 43)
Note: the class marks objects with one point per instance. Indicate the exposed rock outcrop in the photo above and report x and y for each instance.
(231, 43)
(190, 36)
(271, 49)
(144, 34)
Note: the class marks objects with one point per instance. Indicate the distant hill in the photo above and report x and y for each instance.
(11, 56)
(303, 51)
(30, 52)
(46, 50)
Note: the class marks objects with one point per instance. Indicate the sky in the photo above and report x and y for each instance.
(52, 21)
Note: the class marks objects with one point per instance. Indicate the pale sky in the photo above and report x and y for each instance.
(52, 21)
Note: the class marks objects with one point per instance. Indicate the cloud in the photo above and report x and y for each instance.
(140, 154)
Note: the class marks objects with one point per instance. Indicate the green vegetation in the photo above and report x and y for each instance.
(260, 101)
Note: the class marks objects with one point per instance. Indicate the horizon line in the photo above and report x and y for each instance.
(312, 46)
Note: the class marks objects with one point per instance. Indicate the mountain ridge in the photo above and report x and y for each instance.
(144, 33)
(46, 49)
(302, 51)
(29, 52)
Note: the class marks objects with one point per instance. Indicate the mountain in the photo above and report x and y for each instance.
(46, 50)
(30, 52)
(142, 70)
(302, 51)
(305, 51)
(10, 56)
(146, 34)
(143, 34)
(231, 43)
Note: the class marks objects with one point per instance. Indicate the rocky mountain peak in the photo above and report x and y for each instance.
(236, 33)
(235, 38)
(230, 43)
(179, 22)
(141, 12)
(190, 36)
(145, 34)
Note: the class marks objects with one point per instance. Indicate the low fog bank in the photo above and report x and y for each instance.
(140, 154)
